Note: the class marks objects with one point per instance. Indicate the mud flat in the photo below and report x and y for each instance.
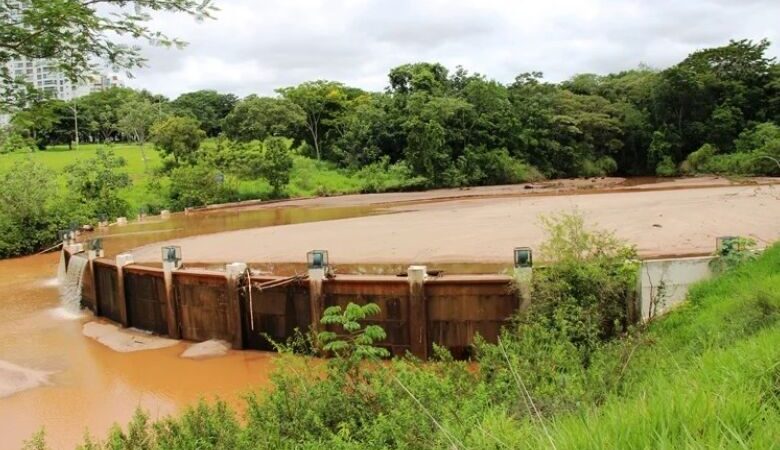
(681, 219)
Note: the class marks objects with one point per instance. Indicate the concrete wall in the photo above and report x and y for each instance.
(664, 283)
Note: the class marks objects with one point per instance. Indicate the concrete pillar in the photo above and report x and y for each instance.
(234, 273)
(523, 282)
(316, 300)
(171, 314)
(165, 214)
(121, 261)
(91, 255)
(418, 311)
(121, 221)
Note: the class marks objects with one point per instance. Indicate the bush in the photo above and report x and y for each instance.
(479, 166)
(95, 183)
(31, 210)
(199, 185)
(382, 176)
(666, 168)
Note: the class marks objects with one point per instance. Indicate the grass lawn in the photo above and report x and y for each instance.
(308, 177)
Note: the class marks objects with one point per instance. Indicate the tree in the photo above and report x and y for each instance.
(256, 118)
(209, 107)
(96, 183)
(135, 120)
(99, 112)
(277, 162)
(321, 102)
(179, 137)
(77, 36)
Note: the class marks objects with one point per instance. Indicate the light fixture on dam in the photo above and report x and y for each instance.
(96, 245)
(523, 257)
(317, 259)
(171, 256)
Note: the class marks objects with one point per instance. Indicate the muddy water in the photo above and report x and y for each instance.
(92, 387)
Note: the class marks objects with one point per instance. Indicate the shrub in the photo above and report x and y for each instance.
(666, 167)
(95, 183)
(198, 185)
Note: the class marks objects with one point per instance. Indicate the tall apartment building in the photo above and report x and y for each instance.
(46, 77)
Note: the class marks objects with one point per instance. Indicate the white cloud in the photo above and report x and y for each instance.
(255, 46)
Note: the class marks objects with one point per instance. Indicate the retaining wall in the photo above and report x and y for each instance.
(664, 283)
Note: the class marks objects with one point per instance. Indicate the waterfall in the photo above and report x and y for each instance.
(61, 269)
(70, 289)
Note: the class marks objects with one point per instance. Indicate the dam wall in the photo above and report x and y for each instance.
(247, 311)
(448, 310)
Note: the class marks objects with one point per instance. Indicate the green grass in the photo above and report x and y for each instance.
(308, 177)
(705, 376)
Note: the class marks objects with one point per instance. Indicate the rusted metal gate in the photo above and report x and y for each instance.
(145, 294)
(106, 287)
(460, 308)
(389, 293)
(275, 312)
(203, 306)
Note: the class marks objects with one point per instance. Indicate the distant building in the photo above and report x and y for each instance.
(46, 77)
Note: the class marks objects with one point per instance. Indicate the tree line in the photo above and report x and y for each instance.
(716, 111)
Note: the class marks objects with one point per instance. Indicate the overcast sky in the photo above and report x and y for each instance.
(255, 46)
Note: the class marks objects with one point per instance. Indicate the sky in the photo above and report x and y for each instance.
(256, 46)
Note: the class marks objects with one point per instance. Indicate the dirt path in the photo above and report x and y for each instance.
(682, 218)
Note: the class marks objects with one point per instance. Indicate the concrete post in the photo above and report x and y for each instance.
(91, 255)
(418, 311)
(121, 261)
(171, 314)
(165, 214)
(234, 273)
(121, 221)
(523, 281)
(316, 300)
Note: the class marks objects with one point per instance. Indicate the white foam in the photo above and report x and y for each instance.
(207, 349)
(50, 282)
(65, 313)
(124, 340)
(15, 378)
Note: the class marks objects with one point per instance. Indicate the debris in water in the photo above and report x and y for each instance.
(15, 378)
(124, 340)
(208, 349)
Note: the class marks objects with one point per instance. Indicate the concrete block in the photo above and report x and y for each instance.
(124, 259)
(121, 221)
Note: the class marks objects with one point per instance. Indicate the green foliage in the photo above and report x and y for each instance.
(733, 252)
(358, 342)
(28, 209)
(256, 118)
(96, 182)
(277, 162)
(208, 107)
(666, 167)
(179, 137)
(198, 185)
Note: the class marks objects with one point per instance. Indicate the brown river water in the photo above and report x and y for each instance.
(87, 386)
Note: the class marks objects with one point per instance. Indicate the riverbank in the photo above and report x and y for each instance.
(481, 225)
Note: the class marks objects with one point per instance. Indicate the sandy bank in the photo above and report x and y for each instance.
(124, 340)
(658, 222)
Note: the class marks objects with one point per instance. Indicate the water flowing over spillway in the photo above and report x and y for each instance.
(61, 272)
(70, 287)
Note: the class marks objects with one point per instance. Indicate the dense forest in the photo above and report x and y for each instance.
(717, 111)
